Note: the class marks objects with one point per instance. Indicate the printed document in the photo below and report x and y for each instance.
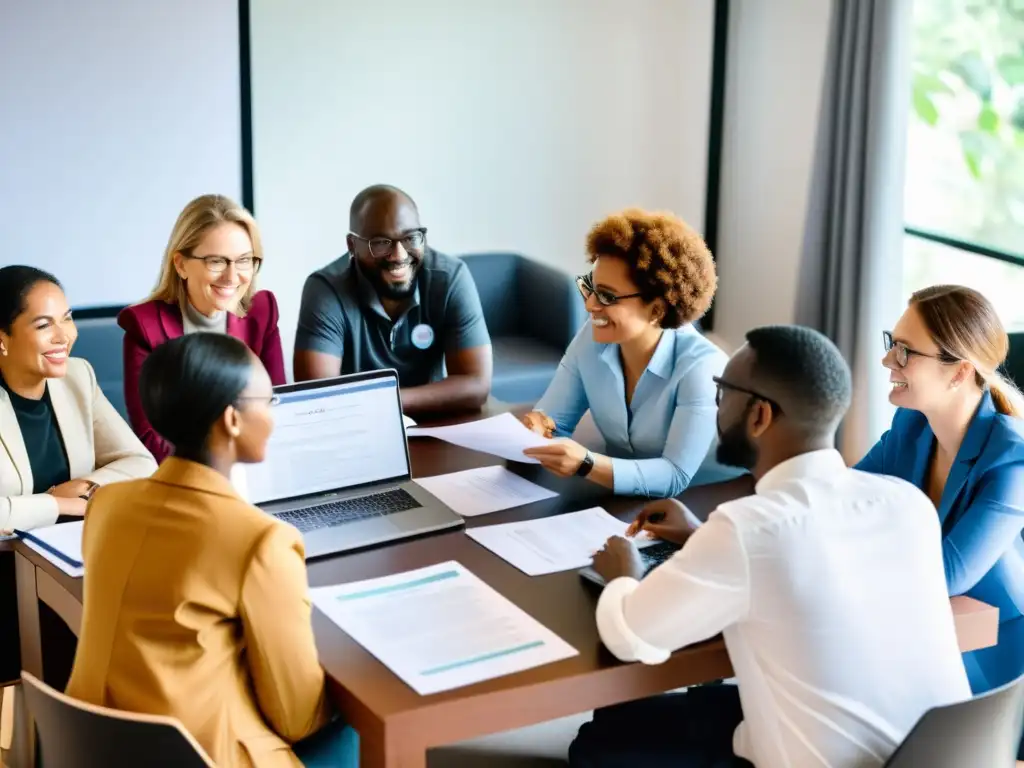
(485, 489)
(440, 627)
(504, 436)
(551, 544)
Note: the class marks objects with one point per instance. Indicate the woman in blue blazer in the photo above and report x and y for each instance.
(959, 436)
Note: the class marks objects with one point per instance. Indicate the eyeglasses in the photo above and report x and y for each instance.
(903, 352)
(722, 385)
(215, 265)
(270, 400)
(585, 283)
(382, 247)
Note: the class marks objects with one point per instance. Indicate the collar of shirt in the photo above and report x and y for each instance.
(824, 463)
(661, 364)
(368, 294)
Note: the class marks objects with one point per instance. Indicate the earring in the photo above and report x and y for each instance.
(3, 350)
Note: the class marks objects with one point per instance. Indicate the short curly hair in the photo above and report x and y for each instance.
(667, 260)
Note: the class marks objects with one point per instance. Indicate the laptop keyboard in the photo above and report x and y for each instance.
(350, 510)
(656, 554)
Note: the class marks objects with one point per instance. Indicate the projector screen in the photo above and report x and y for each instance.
(115, 113)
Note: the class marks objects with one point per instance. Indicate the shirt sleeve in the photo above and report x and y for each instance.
(692, 431)
(565, 400)
(321, 325)
(990, 526)
(280, 649)
(696, 594)
(464, 325)
(24, 513)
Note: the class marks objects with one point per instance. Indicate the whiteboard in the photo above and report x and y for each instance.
(113, 115)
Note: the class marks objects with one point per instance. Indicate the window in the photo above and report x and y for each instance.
(964, 196)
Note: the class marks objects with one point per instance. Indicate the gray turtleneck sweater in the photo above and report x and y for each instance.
(195, 321)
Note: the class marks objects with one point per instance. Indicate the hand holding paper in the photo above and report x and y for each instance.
(504, 436)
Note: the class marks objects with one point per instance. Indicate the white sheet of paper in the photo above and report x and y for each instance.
(440, 627)
(483, 490)
(65, 538)
(502, 435)
(407, 421)
(551, 544)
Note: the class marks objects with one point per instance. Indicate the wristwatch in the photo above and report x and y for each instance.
(90, 490)
(586, 465)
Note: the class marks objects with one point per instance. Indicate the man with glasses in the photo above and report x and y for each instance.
(393, 302)
(827, 584)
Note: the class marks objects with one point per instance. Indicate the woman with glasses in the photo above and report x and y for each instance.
(959, 436)
(639, 366)
(207, 284)
(197, 603)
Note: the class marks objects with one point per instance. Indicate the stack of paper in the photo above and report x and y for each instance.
(504, 436)
(552, 544)
(440, 627)
(485, 489)
(60, 544)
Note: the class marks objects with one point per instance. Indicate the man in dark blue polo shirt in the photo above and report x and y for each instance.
(393, 302)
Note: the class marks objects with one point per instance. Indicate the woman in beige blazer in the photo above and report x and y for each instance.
(61, 438)
(196, 604)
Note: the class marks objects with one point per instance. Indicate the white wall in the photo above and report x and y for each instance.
(113, 115)
(515, 125)
(776, 63)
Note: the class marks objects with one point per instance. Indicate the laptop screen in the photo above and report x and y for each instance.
(331, 436)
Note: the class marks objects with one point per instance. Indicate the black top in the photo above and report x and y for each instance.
(43, 442)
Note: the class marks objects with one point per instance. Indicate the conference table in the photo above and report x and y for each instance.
(396, 725)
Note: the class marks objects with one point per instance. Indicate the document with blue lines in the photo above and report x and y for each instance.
(440, 627)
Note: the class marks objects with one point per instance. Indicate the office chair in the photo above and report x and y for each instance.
(982, 731)
(73, 734)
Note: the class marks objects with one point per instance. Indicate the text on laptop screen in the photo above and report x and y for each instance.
(331, 437)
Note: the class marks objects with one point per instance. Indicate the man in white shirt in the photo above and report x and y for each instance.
(827, 584)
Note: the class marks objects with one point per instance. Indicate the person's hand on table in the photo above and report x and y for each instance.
(73, 506)
(72, 497)
(538, 422)
(617, 558)
(664, 519)
(563, 457)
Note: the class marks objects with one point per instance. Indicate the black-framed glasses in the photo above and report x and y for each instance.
(722, 385)
(270, 400)
(382, 247)
(904, 353)
(585, 284)
(217, 265)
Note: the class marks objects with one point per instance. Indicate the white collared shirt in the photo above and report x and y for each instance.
(829, 588)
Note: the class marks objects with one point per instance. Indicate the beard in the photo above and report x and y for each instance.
(389, 290)
(735, 448)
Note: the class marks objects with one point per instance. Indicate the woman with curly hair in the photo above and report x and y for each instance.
(640, 367)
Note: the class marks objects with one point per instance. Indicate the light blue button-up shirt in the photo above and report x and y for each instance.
(667, 434)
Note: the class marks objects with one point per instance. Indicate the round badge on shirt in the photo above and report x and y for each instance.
(422, 336)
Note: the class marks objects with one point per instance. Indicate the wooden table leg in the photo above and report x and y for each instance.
(388, 750)
(31, 657)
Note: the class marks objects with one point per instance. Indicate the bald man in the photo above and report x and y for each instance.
(393, 302)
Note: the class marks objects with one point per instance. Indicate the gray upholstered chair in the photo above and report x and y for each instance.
(77, 735)
(532, 312)
(982, 731)
(100, 341)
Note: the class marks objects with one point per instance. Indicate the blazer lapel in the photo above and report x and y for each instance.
(923, 447)
(235, 326)
(71, 422)
(10, 436)
(971, 447)
(170, 320)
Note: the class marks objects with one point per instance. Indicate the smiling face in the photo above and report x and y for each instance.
(389, 243)
(625, 318)
(210, 291)
(41, 337)
(925, 383)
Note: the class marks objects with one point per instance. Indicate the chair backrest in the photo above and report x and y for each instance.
(73, 734)
(1014, 365)
(495, 278)
(101, 342)
(982, 731)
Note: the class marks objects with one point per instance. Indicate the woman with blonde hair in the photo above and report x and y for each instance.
(207, 284)
(959, 436)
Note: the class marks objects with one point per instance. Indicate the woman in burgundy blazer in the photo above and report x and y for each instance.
(207, 284)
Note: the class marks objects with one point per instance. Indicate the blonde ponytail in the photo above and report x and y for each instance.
(1006, 396)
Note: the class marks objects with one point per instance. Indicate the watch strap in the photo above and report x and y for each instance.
(586, 465)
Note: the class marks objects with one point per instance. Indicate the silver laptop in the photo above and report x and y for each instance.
(337, 466)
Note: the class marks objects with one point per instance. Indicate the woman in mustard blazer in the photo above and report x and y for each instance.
(959, 436)
(196, 605)
(60, 438)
